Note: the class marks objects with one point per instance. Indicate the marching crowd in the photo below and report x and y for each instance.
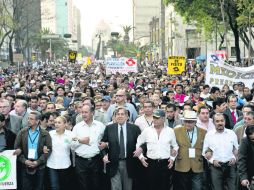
(83, 129)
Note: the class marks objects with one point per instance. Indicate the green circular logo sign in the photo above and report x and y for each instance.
(5, 168)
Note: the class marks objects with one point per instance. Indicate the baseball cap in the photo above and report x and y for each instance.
(159, 113)
(106, 98)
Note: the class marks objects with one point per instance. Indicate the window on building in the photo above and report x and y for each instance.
(192, 34)
(233, 52)
(192, 53)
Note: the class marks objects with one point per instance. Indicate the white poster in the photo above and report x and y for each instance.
(8, 170)
(122, 65)
(219, 73)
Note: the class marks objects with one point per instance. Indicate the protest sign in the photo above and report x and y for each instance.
(176, 65)
(8, 170)
(218, 73)
(122, 65)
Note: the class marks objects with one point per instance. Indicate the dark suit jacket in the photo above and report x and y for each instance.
(231, 122)
(44, 140)
(10, 139)
(113, 150)
(245, 159)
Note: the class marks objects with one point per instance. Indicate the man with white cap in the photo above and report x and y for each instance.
(189, 161)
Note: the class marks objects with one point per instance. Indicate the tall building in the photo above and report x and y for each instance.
(143, 11)
(62, 17)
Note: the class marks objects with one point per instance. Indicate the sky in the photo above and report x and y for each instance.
(117, 13)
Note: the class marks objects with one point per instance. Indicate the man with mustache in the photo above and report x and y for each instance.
(223, 144)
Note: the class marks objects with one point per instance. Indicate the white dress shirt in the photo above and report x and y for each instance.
(158, 147)
(94, 132)
(221, 144)
(203, 126)
(142, 122)
(60, 155)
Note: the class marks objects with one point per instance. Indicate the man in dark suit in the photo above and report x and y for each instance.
(121, 138)
(232, 113)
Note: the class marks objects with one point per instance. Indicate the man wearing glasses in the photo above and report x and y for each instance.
(121, 102)
(232, 113)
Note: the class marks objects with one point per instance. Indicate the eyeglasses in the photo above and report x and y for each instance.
(70, 96)
(118, 95)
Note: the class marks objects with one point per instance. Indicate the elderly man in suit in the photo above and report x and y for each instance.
(189, 161)
(118, 156)
(232, 113)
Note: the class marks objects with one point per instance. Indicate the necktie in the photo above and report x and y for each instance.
(122, 148)
(233, 117)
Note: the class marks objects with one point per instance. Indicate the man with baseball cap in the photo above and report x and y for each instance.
(189, 161)
(159, 140)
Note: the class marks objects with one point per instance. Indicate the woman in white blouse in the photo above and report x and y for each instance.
(59, 161)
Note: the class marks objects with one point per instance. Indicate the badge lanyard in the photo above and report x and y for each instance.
(149, 124)
(32, 141)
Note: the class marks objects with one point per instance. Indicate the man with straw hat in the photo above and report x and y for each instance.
(189, 161)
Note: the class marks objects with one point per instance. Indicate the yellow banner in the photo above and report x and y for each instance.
(176, 65)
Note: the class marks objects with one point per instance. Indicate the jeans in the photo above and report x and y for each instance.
(32, 182)
(58, 178)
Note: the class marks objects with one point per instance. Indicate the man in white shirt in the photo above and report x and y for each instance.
(205, 92)
(203, 120)
(223, 144)
(87, 135)
(146, 120)
(159, 139)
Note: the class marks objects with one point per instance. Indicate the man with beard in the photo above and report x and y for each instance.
(223, 144)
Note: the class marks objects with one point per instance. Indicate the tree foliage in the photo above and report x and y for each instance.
(59, 46)
(120, 46)
(207, 15)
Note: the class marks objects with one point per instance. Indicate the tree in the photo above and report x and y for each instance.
(6, 22)
(207, 13)
(246, 22)
(126, 37)
(59, 46)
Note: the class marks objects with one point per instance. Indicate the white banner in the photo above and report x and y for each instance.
(219, 73)
(8, 170)
(122, 65)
